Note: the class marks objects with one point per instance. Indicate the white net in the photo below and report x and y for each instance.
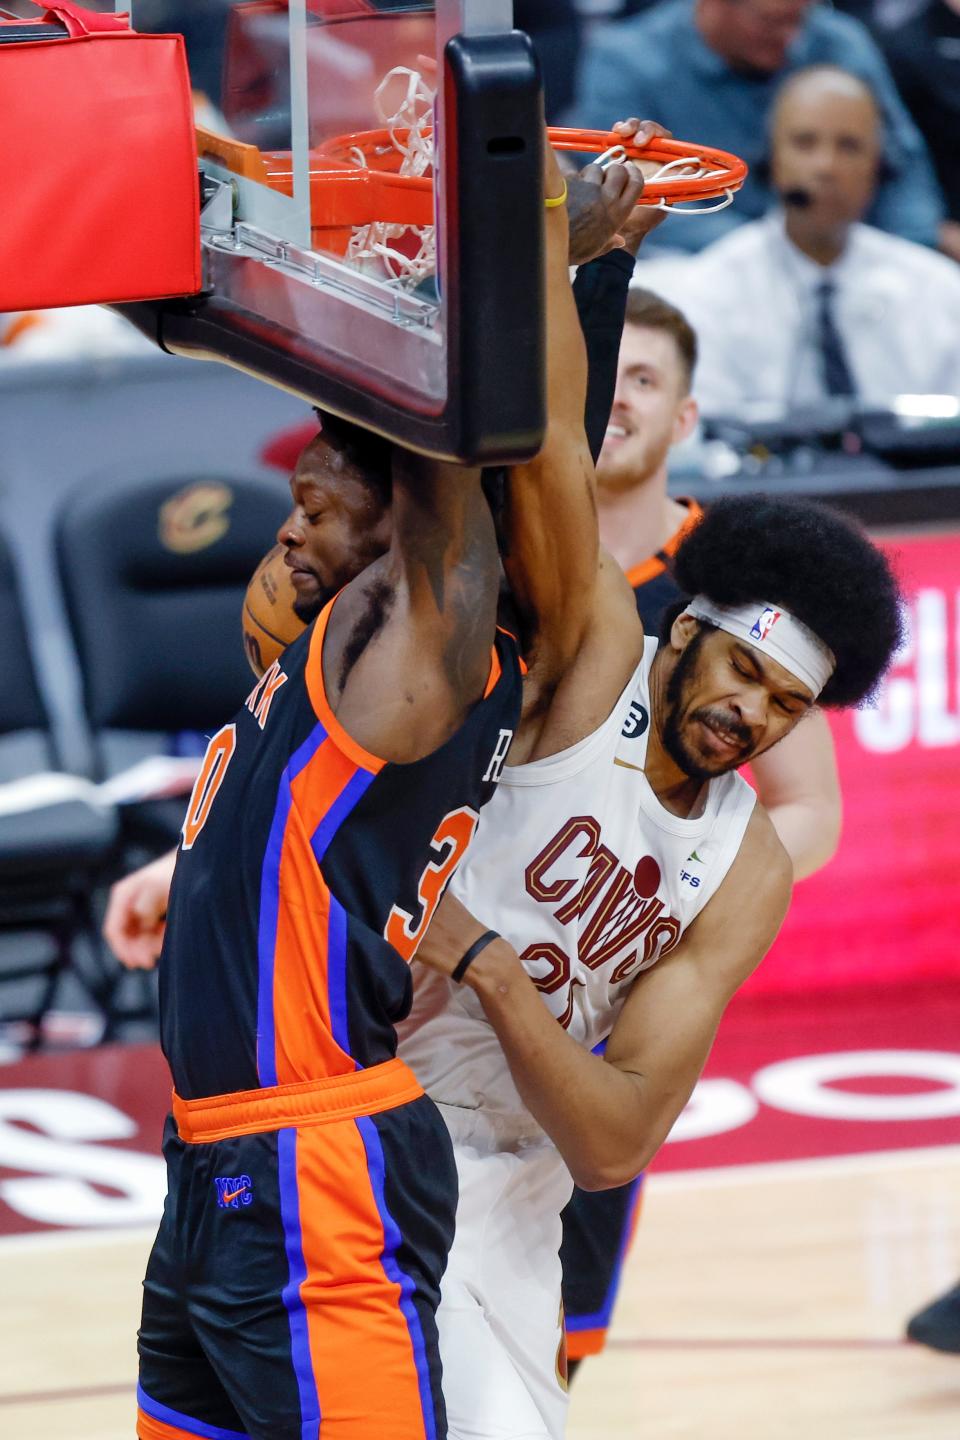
(405, 106)
(684, 167)
(410, 126)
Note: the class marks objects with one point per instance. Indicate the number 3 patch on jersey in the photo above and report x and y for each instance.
(452, 837)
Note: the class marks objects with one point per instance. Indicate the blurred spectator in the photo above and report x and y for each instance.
(924, 55)
(83, 332)
(709, 69)
(808, 303)
(653, 411)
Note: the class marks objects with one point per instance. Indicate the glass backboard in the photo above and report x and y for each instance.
(372, 212)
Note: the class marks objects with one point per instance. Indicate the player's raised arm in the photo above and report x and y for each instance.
(576, 612)
(798, 785)
(551, 534)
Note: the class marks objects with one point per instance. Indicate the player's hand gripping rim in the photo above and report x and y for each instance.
(605, 213)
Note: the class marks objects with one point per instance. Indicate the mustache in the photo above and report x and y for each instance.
(723, 720)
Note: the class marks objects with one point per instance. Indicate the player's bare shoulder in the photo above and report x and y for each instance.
(752, 901)
(615, 610)
(763, 855)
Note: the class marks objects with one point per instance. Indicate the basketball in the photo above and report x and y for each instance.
(269, 621)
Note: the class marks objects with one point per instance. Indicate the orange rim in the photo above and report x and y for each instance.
(725, 172)
(731, 170)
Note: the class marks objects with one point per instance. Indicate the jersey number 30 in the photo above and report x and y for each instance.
(451, 838)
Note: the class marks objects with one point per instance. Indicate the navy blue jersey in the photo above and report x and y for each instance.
(308, 873)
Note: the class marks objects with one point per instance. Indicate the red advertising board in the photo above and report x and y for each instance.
(886, 908)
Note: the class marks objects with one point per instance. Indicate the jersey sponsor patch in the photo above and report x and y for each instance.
(636, 723)
(689, 876)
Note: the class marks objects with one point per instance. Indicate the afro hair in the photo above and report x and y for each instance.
(810, 560)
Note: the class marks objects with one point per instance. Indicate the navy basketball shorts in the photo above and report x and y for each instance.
(597, 1229)
(293, 1285)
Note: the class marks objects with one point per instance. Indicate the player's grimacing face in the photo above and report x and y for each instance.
(648, 408)
(726, 703)
(337, 527)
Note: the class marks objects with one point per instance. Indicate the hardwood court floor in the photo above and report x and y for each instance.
(767, 1303)
(761, 1303)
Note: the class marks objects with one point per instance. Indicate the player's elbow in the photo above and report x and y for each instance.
(609, 1173)
(832, 821)
(821, 855)
(817, 841)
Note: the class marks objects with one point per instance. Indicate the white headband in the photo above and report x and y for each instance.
(775, 632)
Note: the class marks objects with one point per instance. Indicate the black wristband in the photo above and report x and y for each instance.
(463, 966)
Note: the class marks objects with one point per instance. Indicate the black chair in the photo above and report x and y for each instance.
(154, 575)
(56, 840)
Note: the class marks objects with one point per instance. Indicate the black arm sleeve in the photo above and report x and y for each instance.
(600, 291)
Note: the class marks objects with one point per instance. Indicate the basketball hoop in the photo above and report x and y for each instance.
(405, 149)
(376, 186)
(675, 172)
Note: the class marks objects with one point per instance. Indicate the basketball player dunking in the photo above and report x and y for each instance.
(689, 714)
(311, 1195)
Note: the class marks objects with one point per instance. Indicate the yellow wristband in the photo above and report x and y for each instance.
(556, 201)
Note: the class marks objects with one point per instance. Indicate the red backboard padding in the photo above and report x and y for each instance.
(101, 200)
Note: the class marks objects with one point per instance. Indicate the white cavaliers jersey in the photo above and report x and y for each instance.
(581, 868)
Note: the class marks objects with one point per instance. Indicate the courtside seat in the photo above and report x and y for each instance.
(57, 837)
(154, 574)
(51, 836)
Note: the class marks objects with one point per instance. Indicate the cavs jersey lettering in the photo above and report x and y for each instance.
(590, 878)
(308, 873)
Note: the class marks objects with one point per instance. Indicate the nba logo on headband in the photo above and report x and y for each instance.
(764, 624)
(794, 645)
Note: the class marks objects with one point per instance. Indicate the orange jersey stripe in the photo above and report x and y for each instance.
(321, 706)
(655, 565)
(496, 670)
(360, 1344)
(648, 569)
(150, 1429)
(304, 1040)
(585, 1342)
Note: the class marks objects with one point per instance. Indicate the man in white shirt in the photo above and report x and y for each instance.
(808, 303)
